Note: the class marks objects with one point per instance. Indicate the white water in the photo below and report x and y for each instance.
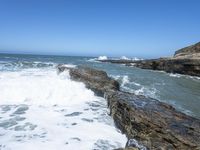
(40, 109)
(102, 58)
(124, 58)
(136, 88)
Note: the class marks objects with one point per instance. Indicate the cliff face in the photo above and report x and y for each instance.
(190, 52)
(154, 124)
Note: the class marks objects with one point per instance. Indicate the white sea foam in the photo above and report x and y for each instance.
(182, 75)
(69, 65)
(147, 91)
(36, 86)
(125, 80)
(102, 58)
(124, 58)
(97, 59)
(136, 88)
(175, 75)
(42, 110)
(136, 59)
(92, 60)
(194, 77)
(116, 77)
(135, 83)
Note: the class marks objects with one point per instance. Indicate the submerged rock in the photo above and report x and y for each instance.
(148, 123)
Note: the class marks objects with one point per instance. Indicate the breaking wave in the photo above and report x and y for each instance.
(40, 109)
(102, 58)
(16, 65)
(136, 88)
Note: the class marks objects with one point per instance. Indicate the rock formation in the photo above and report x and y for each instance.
(185, 61)
(190, 52)
(181, 66)
(97, 80)
(148, 123)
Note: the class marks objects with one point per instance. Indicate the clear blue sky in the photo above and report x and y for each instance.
(143, 28)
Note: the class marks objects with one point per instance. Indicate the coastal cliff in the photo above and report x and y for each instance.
(185, 61)
(190, 52)
(147, 123)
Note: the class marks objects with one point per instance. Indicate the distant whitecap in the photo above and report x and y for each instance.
(102, 58)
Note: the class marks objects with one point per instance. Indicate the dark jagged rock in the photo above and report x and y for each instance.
(119, 61)
(154, 124)
(181, 66)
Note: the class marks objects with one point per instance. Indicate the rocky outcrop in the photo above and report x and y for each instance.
(181, 66)
(98, 81)
(148, 123)
(153, 124)
(185, 61)
(190, 52)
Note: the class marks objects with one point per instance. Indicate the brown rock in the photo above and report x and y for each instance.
(190, 52)
(96, 80)
(154, 124)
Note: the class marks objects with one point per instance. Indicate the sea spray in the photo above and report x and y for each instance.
(41, 109)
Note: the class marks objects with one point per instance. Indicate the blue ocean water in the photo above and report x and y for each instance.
(41, 109)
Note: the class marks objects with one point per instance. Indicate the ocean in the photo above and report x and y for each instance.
(41, 109)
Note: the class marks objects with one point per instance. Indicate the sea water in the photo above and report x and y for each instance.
(41, 109)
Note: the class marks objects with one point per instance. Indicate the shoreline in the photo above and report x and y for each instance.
(181, 66)
(185, 61)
